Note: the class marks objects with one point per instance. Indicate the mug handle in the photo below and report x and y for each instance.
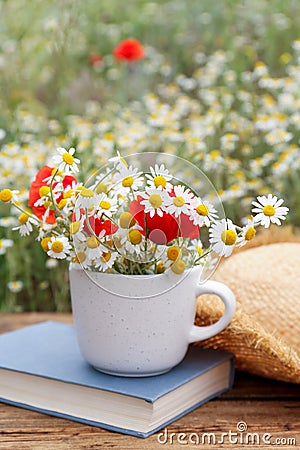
(227, 297)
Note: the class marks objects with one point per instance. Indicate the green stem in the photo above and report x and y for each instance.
(51, 192)
(27, 213)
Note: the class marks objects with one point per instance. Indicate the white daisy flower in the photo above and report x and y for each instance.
(45, 196)
(15, 286)
(118, 161)
(44, 230)
(107, 205)
(87, 199)
(104, 182)
(26, 222)
(106, 260)
(196, 247)
(269, 210)
(59, 247)
(9, 196)
(94, 248)
(66, 161)
(135, 241)
(159, 177)
(181, 202)
(202, 212)
(223, 237)
(247, 234)
(4, 245)
(156, 201)
(127, 179)
(76, 230)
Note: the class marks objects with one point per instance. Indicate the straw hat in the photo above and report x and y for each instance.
(264, 334)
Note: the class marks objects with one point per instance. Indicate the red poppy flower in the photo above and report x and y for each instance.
(98, 225)
(129, 50)
(34, 193)
(95, 59)
(162, 230)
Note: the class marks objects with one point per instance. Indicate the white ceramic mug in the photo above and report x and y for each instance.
(140, 325)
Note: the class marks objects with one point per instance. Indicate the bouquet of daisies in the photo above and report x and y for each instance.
(129, 221)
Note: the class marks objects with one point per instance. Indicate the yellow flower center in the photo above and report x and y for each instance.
(79, 258)
(155, 201)
(179, 201)
(47, 204)
(160, 181)
(199, 250)
(44, 190)
(126, 220)
(214, 154)
(178, 266)
(250, 233)
(269, 210)
(6, 195)
(202, 210)
(23, 218)
(74, 227)
(127, 181)
(160, 267)
(229, 237)
(67, 158)
(135, 237)
(92, 242)
(101, 188)
(62, 203)
(44, 243)
(105, 204)
(57, 246)
(56, 172)
(69, 194)
(173, 253)
(1, 243)
(106, 256)
(87, 193)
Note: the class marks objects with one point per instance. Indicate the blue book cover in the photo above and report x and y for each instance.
(46, 358)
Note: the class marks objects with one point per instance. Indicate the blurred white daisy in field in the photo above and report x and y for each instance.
(4, 245)
(15, 286)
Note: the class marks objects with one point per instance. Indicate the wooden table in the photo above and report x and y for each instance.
(267, 407)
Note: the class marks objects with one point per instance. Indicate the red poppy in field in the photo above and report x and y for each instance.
(129, 50)
(162, 230)
(36, 192)
(95, 59)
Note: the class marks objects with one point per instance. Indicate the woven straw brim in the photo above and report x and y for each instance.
(264, 334)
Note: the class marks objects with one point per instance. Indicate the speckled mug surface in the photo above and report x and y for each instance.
(140, 325)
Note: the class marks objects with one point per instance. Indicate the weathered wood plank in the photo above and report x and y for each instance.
(40, 431)
(265, 406)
